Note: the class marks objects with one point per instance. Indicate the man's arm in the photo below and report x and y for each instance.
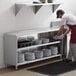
(60, 34)
(67, 31)
(60, 30)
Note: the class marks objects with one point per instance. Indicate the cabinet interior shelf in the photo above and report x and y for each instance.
(27, 62)
(36, 6)
(56, 42)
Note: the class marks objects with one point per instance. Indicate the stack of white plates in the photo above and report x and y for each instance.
(29, 56)
(30, 38)
(54, 50)
(45, 40)
(38, 54)
(21, 57)
(46, 52)
(37, 41)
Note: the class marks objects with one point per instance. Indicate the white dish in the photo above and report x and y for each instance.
(38, 54)
(46, 52)
(21, 57)
(54, 50)
(29, 56)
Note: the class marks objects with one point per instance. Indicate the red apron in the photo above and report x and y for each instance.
(73, 33)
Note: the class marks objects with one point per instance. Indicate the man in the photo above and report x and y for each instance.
(70, 21)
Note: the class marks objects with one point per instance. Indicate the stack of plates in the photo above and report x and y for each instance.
(30, 38)
(46, 52)
(29, 56)
(37, 41)
(54, 50)
(38, 54)
(21, 57)
(45, 40)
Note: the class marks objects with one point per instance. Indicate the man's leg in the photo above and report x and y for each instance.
(69, 55)
(73, 51)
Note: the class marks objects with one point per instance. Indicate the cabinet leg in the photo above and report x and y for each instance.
(16, 67)
(61, 57)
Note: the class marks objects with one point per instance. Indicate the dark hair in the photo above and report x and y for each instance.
(59, 12)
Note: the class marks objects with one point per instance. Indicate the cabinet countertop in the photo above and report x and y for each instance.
(33, 31)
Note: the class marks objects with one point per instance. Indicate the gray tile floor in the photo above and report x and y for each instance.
(60, 68)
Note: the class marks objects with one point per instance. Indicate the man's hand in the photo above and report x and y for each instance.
(58, 37)
(55, 37)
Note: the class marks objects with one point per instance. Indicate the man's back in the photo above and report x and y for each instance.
(69, 19)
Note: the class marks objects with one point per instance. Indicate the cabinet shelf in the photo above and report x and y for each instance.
(56, 42)
(36, 6)
(27, 62)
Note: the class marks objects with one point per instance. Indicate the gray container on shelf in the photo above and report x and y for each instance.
(38, 54)
(29, 56)
(45, 40)
(30, 38)
(37, 41)
(21, 57)
(22, 39)
(46, 52)
(54, 50)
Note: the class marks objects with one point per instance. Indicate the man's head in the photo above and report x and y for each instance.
(60, 13)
